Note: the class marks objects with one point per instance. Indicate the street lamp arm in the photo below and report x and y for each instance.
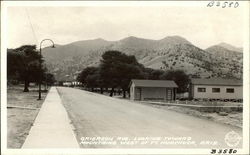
(40, 64)
(45, 40)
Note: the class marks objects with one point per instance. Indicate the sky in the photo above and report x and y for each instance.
(201, 26)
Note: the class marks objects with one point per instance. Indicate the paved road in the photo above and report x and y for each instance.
(95, 115)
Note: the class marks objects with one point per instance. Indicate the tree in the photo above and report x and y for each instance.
(92, 78)
(130, 69)
(117, 69)
(109, 69)
(13, 65)
(152, 74)
(23, 64)
(180, 78)
(82, 77)
(49, 79)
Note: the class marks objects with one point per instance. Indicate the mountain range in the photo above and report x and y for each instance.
(172, 52)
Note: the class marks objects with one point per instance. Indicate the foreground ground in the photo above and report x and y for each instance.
(22, 109)
(99, 116)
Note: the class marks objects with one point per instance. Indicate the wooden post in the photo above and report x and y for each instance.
(174, 89)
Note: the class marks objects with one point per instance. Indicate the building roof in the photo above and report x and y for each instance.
(217, 81)
(154, 83)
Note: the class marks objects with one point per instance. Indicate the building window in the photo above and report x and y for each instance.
(201, 89)
(215, 90)
(230, 90)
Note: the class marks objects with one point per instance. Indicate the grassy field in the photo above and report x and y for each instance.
(22, 109)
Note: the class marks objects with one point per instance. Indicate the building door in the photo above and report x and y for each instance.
(138, 93)
(169, 94)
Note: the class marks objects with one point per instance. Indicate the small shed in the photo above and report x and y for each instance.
(216, 88)
(161, 90)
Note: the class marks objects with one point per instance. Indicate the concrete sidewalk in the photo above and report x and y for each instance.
(52, 128)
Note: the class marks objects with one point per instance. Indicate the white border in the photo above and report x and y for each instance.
(246, 60)
(246, 73)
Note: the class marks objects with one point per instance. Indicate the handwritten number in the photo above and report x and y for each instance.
(230, 4)
(218, 4)
(236, 4)
(210, 4)
(213, 151)
(223, 5)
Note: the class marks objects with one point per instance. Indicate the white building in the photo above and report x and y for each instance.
(216, 88)
(161, 90)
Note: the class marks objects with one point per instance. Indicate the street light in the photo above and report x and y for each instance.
(40, 64)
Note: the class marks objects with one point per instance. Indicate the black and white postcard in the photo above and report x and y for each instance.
(125, 77)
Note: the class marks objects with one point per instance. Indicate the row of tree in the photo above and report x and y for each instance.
(117, 69)
(23, 66)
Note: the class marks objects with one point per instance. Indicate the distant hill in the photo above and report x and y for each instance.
(226, 52)
(230, 47)
(172, 52)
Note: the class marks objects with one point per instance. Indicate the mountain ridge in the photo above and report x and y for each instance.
(171, 52)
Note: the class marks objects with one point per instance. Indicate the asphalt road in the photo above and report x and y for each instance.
(95, 115)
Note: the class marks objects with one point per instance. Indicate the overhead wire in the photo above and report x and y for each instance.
(31, 25)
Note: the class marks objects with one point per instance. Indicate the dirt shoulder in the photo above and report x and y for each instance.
(22, 109)
(233, 118)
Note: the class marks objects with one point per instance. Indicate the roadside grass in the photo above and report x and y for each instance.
(209, 103)
(22, 109)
